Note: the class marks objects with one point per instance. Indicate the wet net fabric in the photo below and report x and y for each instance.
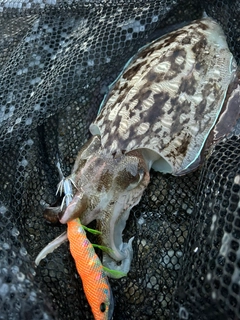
(57, 59)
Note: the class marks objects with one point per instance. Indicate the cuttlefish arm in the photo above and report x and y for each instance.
(53, 245)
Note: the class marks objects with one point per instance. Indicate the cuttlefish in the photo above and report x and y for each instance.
(174, 99)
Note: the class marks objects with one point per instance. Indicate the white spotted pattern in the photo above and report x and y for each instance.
(169, 96)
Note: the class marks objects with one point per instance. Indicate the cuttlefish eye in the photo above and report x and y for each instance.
(129, 180)
(137, 179)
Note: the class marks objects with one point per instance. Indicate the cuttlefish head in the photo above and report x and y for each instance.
(106, 188)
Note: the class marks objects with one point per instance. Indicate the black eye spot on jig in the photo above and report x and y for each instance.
(103, 307)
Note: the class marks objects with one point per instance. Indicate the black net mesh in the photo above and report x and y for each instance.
(57, 59)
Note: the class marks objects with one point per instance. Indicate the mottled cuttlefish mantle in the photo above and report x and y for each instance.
(169, 97)
(159, 113)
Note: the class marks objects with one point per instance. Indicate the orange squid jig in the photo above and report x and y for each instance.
(94, 279)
